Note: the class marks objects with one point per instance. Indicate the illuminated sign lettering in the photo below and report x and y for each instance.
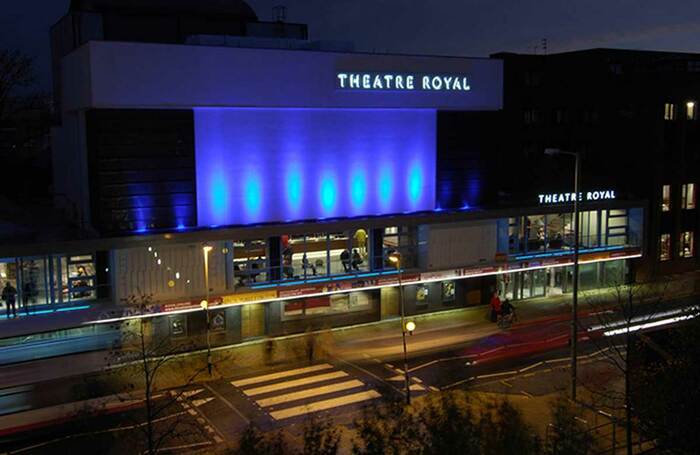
(558, 198)
(403, 82)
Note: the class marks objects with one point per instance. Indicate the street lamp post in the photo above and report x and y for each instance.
(205, 303)
(574, 300)
(395, 258)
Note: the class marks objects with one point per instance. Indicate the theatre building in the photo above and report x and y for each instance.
(286, 172)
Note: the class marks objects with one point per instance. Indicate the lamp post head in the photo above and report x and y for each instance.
(207, 249)
(552, 151)
(410, 327)
(395, 258)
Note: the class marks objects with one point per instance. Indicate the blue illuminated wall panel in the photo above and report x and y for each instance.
(269, 165)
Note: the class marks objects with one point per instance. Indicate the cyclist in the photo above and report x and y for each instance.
(507, 313)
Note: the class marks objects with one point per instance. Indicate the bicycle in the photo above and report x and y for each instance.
(505, 322)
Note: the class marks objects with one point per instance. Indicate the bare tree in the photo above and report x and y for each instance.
(620, 314)
(16, 71)
(143, 358)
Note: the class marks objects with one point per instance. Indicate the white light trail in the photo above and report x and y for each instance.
(648, 325)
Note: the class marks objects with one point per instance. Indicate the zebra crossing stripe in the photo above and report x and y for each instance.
(324, 405)
(347, 385)
(294, 383)
(191, 393)
(280, 375)
(202, 401)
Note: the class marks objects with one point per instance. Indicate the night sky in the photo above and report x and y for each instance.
(448, 27)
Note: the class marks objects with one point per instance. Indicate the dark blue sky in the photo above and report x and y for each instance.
(453, 27)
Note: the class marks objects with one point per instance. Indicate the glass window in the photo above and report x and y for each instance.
(535, 232)
(614, 272)
(686, 246)
(665, 247)
(688, 196)
(400, 239)
(617, 227)
(690, 110)
(340, 253)
(669, 111)
(515, 235)
(309, 256)
(666, 198)
(35, 290)
(559, 231)
(78, 277)
(250, 262)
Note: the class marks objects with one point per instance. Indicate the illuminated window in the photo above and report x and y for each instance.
(666, 198)
(250, 262)
(665, 247)
(669, 111)
(686, 246)
(688, 196)
(690, 110)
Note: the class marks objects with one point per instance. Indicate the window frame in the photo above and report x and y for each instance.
(688, 201)
(684, 241)
(664, 238)
(669, 111)
(666, 207)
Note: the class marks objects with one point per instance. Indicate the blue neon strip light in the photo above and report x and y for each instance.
(271, 165)
(53, 310)
(74, 308)
(570, 252)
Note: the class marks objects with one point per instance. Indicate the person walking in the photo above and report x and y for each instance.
(9, 295)
(345, 260)
(495, 306)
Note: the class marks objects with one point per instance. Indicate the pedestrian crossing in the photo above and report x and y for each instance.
(301, 391)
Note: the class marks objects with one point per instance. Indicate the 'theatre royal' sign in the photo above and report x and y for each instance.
(403, 82)
(558, 198)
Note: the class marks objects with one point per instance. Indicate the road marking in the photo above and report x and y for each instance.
(324, 405)
(534, 365)
(280, 375)
(228, 403)
(294, 383)
(368, 373)
(492, 375)
(202, 401)
(191, 393)
(266, 402)
(186, 446)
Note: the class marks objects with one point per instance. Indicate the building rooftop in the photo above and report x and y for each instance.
(237, 8)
